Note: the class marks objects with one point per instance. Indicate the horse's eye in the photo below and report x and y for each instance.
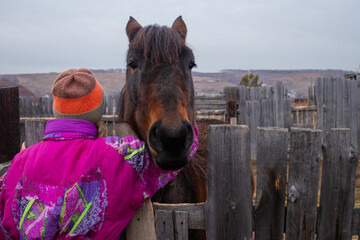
(192, 65)
(133, 65)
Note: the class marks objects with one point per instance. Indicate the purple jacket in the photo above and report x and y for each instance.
(73, 185)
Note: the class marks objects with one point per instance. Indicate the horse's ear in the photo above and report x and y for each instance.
(132, 27)
(179, 25)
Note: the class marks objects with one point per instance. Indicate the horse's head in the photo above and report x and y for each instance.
(158, 98)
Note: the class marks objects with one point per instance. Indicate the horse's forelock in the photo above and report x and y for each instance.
(158, 44)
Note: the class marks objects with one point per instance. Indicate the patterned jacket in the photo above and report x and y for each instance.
(73, 185)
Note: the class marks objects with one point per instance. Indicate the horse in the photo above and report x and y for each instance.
(157, 102)
(158, 96)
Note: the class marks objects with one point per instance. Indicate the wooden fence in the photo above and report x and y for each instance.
(287, 190)
(287, 201)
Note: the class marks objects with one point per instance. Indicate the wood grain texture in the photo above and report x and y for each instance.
(229, 206)
(303, 182)
(10, 122)
(337, 191)
(272, 148)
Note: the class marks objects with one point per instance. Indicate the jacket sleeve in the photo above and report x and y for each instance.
(135, 152)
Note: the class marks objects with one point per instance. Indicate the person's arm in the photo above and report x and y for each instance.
(135, 152)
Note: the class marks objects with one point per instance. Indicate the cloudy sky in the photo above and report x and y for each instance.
(53, 36)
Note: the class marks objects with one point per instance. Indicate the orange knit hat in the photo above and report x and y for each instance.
(77, 94)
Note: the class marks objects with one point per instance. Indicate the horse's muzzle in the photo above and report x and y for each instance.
(171, 143)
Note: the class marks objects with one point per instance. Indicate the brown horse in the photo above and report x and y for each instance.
(158, 97)
(158, 103)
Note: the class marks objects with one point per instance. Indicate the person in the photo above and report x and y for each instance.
(75, 184)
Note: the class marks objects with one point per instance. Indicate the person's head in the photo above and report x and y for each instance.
(78, 95)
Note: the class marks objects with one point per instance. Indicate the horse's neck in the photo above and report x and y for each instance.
(121, 108)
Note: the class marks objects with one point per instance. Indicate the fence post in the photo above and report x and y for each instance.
(272, 146)
(279, 104)
(304, 168)
(34, 131)
(229, 205)
(164, 225)
(10, 123)
(337, 191)
(231, 103)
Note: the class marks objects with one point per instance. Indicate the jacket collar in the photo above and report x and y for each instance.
(65, 129)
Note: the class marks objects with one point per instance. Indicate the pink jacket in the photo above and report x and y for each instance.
(74, 186)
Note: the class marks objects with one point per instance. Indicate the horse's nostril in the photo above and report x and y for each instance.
(154, 139)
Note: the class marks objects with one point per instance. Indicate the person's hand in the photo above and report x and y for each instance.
(23, 146)
(123, 130)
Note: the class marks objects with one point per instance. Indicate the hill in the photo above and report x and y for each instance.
(205, 83)
(23, 92)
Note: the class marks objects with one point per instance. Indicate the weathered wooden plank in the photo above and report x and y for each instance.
(164, 225)
(210, 97)
(231, 103)
(28, 106)
(353, 121)
(210, 102)
(267, 113)
(272, 146)
(346, 112)
(10, 123)
(337, 191)
(211, 112)
(304, 168)
(287, 112)
(34, 132)
(357, 109)
(242, 104)
(142, 224)
(181, 225)
(252, 93)
(279, 104)
(110, 105)
(195, 210)
(253, 123)
(210, 107)
(311, 96)
(229, 205)
(340, 103)
(329, 117)
(319, 98)
(355, 228)
(305, 109)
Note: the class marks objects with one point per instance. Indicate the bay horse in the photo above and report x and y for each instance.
(157, 102)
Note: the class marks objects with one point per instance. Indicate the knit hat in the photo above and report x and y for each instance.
(77, 94)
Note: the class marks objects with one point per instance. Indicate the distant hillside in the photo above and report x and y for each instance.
(113, 80)
(296, 80)
(23, 92)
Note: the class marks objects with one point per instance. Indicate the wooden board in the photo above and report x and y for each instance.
(271, 161)
(228, 210)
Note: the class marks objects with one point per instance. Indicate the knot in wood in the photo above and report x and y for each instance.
(353, 155)
(293, 194)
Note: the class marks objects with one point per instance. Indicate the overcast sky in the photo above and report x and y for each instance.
(53, 36)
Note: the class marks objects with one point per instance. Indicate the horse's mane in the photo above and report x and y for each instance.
(158, 43)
